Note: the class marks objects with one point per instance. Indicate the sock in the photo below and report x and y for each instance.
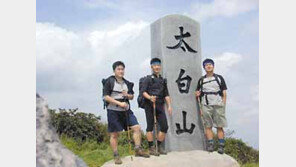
(137, 147)
(115, 153)
(159, 142)
(211, 141)
(221, 141)
(150, 143)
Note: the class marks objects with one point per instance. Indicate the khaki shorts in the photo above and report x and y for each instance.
(214, 116)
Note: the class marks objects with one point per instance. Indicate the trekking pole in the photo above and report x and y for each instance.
(155, 126)
(128, 134)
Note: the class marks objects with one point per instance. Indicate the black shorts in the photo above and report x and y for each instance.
(117, 120)
(160, 117)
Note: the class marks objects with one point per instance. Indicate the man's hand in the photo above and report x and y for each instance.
(170, 110)
(197, 93)
(153, 99)
(200, 112)
(125, 94)
(123, 105)
(224, 102)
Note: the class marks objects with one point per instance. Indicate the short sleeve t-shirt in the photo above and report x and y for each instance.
(156, 86)
(115, 94)
(211, 85)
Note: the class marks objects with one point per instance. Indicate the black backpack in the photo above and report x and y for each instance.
(105, 103)
(141, 98)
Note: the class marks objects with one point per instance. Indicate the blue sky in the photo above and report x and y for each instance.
(76, 42)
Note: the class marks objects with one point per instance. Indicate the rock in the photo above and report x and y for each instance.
(175, 39)
(49, 150)
(195, 158)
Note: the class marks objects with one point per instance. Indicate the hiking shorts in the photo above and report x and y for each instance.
(160, 117)
(117, 120)
(214, 116)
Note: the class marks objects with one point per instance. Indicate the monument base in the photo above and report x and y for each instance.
(179, 159)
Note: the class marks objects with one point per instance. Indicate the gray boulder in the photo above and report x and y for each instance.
(195, 158)
(49, 150)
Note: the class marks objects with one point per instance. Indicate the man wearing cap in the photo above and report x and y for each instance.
(211, 91)
(155, 90)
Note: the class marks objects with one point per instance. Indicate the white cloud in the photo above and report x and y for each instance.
(225, 8)
(100, 4)
(70, 65)
(104, 41)
(225, 61)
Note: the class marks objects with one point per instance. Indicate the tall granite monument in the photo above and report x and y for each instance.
(175, 39)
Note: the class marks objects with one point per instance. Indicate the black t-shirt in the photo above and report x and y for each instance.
(155, 86)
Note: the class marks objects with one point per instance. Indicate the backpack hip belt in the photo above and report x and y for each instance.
(210, 93)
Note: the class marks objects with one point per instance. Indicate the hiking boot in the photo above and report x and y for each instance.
(117, 160)
(221, 148)
(152, 151)
(139, 152)
(210, 147)
(161, 151)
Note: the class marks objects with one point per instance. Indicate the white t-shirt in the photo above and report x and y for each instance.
(211, 85)
(118, 87)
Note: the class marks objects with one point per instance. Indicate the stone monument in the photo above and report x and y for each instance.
(175, 39)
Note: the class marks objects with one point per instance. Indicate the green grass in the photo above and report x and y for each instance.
(251, 165)
(96, 154)
(93, 153)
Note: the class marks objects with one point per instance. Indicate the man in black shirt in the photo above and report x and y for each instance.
(155, 90)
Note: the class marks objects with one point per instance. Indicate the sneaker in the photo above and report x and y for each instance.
(161, 151)
(152, 151)
(141, 153)
(117, 160)
(221, 148)
(210, 147)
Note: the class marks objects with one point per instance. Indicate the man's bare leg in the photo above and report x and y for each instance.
(210, 141)
(152, 150)
(136, 135)
(113, 141)
(209, 133)
(137, 139)
(161, 136)
(220, 134)
(113, 144)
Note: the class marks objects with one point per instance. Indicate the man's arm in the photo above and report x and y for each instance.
(224, 96)
(109, 99)
(197, 90)
(168, 103)
(129, 96)
(167, 97)
(224, 88)
(147, 96)
(145, 90)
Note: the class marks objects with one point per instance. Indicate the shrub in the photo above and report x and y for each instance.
(78, 125)
(239, 150)
(86, 136)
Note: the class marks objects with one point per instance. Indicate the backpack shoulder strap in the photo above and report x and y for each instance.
(218, 79)
(201, 82)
